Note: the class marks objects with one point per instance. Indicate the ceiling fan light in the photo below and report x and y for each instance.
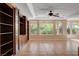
(50, 14)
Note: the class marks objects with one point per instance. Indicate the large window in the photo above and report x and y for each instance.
(46, 28)
(73, 28)
(41, 27)
(54, 27)
(33, 28)
(59, 27)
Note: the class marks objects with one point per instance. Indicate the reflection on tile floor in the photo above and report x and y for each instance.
(49, 48)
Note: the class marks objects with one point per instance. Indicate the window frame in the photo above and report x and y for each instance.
(49, 21)
(71, 22)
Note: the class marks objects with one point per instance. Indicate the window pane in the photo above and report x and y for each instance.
(46, 28)
(59, 27)
(75, 28)
(33, 28)
(68, 28)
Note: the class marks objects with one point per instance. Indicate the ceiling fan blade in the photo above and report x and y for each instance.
(53, 14)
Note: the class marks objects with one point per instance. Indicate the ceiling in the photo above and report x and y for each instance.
(41, 10)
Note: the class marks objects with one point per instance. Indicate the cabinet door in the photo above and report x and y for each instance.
(23, 25)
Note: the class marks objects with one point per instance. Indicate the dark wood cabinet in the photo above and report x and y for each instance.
(23, 25)
(7, 32)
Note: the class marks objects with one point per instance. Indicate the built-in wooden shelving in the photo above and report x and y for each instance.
(6, 30)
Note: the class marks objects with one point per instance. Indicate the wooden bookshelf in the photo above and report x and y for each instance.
(23, 25)
(7, 26)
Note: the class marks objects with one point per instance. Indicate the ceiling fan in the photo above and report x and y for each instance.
(53, 14)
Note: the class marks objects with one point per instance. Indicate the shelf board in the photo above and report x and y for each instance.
(6, 24)
(7, 52)
(6, 43)
(5, 14)
(6, 33)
